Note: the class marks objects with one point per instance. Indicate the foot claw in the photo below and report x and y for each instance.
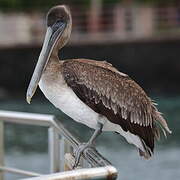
(80, 150)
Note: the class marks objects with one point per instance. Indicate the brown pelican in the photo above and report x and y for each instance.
(94, 92)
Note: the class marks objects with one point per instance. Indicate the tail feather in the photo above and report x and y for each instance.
(161, 122)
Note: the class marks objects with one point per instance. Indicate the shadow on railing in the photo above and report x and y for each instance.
(62, 145)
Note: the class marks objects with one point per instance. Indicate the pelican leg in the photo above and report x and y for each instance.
(85, 146)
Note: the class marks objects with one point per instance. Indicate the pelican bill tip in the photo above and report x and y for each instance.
(28, 99)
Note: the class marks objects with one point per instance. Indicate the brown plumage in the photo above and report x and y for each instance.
(116, 96)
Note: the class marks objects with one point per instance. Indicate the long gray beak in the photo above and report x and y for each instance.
(52, 35)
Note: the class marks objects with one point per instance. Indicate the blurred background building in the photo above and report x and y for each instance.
(139, 37)
(94, 21)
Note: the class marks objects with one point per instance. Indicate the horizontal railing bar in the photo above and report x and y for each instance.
(26, 118)
(18, 171)
(108, 172)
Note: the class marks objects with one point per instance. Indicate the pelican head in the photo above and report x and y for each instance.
(59, 23)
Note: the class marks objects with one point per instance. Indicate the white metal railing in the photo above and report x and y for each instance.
(100, 173)
(61, 145)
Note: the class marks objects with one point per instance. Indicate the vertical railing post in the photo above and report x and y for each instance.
(65, 148)
(1, 148)
(54, 148)
(62, 146)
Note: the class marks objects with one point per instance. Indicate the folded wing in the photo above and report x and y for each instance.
(116, 96)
